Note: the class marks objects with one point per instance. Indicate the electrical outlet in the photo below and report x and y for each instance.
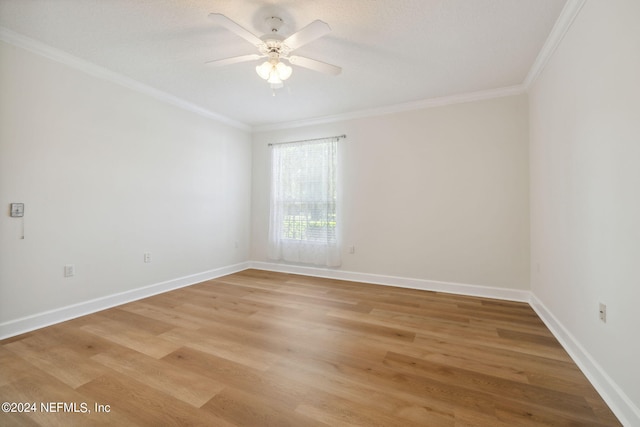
(69, 270)
(603, 312)
(147, 257)
(352, 249)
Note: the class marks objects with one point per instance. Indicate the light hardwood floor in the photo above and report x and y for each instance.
(269, 349)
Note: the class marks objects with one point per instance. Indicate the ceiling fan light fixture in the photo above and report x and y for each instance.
(274, 78)
(283, 70)
(274, 74)
(264, 69)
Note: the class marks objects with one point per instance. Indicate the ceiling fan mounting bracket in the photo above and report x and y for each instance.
(274, 23)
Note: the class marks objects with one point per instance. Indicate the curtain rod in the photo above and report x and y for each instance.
(308, 140)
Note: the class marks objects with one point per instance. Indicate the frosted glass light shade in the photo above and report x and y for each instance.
(274, 78)
(264, 70)
(284, 71)
(274, 73)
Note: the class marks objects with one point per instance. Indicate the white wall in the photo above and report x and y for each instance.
(106, 174)
(435, 194)
(585, 190)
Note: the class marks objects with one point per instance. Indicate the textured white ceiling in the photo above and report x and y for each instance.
(391, 51)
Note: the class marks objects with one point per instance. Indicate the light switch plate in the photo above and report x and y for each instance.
(17, 209)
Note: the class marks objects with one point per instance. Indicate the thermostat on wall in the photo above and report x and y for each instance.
(17, 209)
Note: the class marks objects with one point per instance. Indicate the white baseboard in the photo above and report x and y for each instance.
(47, 318)
(401, 282)
(627, 412)
(622, 406)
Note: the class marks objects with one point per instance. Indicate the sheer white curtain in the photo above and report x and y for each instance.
(304, 223)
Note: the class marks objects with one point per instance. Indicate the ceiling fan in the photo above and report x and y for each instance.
(276, 48)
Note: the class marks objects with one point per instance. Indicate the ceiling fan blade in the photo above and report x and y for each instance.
(234, 27)
(233, 60)
(314, 65)
(308, 34)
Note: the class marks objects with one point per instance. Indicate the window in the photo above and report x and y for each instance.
(303, 216)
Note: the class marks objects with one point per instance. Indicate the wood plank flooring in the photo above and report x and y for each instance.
(269, 349)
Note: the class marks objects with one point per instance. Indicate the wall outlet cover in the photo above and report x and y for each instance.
(69, 270)
(17, 210)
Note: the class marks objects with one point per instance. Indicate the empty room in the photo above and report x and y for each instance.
(327, 213)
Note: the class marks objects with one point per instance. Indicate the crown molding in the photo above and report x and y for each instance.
(42, 49)
(559, 30)
(397, 108)
(563, 23)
